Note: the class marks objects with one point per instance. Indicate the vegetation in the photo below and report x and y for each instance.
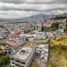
(58, 41)
(4, 60)
(45, 29)
(59, 17)
(27, 31)
(65, 30)
(58, 52)
(54, 26)
(1, 43)
(42, 28)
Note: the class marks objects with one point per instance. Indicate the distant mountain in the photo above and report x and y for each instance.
(40, 16)
(33, 17)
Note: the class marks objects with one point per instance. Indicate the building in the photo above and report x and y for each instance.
(19, 40)
(23, 57)
(49, 34)
(14, 43)
(42, 51)
(40, 35)
(3, 50)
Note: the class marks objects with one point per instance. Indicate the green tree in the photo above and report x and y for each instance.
(4, 60)
(3, 43)
(42, 28)
(54, 26)
(65, 30)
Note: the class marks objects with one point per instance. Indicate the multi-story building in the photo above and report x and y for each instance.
(23, 57)
(42, 52)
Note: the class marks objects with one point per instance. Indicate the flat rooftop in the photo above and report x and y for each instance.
(43, 46)
(23, 53)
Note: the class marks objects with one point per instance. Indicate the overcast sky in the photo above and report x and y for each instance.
(25, 8)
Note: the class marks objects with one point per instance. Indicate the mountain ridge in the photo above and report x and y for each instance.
(33, 17)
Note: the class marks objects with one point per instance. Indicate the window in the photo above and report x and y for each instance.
(12, 59)
(20, 62)
(17, 60)
(23, 62)
(19, 65)
(13, 63)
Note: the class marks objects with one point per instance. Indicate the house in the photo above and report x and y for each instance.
(2, 50)
(14, 43)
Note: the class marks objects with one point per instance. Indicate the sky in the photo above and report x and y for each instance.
(26, 8)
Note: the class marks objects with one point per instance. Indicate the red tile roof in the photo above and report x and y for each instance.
(16, 33)
(11, 43)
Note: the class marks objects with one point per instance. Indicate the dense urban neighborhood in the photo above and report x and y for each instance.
(34, 43)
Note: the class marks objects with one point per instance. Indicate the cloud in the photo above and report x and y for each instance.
(21, 14)
(34, 1)
(25, 8)
(15, 14)
(60, 1)
(27, 1)
(31, 7)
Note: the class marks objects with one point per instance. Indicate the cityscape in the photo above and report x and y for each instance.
(26, 44)
(33, 33)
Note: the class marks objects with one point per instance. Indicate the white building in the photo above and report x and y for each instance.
(23, 57)
(42, 49)
(40, 35)
(49, 34)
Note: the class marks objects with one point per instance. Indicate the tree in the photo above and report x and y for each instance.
(65, 30)
(54, 26)
(27, 31)
(42, 28)
(4, 60)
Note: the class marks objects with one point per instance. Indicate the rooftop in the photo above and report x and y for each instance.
(24, 53)
(43, 46)
(11, 43)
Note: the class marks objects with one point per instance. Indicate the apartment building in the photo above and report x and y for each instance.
(23, 57)
(43, 50)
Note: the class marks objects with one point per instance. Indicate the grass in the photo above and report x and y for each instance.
(58, 53)
(58, 57)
